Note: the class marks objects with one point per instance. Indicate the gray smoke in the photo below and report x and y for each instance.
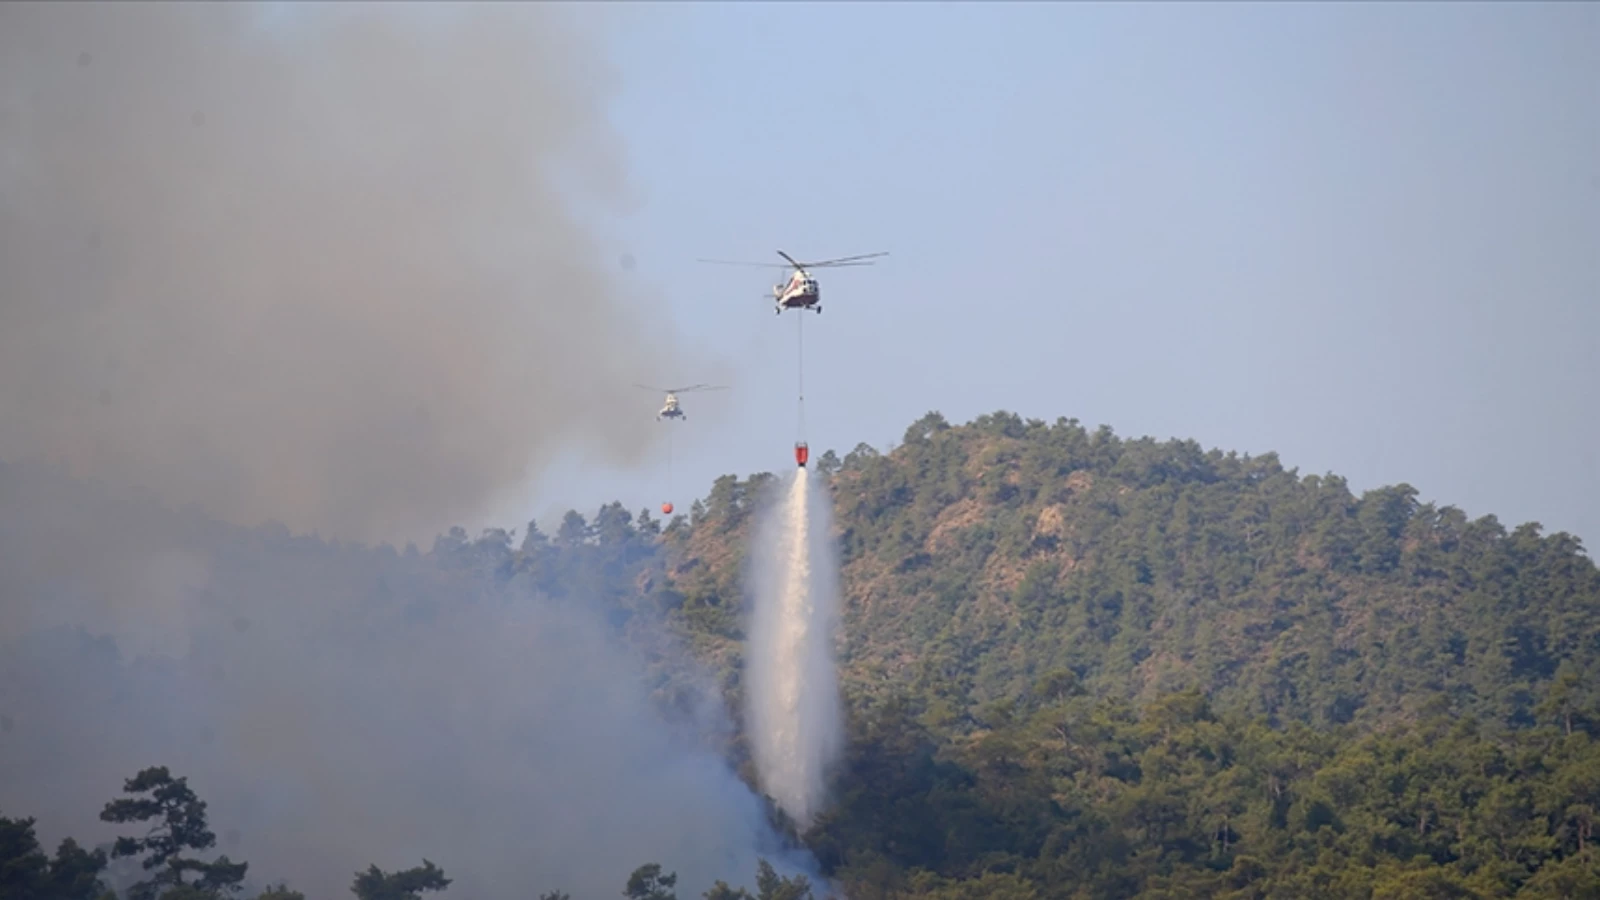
(340, 706)
(325, 268)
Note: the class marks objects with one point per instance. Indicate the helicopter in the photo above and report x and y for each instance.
(672, 409)
(801, 291)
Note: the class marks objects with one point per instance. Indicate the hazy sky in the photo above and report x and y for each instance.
(1365, 236)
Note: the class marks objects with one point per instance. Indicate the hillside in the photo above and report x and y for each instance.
(978, 559)
(1077, 667)
(1080, 666)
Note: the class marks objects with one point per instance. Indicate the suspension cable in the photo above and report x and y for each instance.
(800, 360)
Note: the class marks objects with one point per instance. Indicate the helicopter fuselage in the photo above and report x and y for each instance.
(671, 410)
(802, 292)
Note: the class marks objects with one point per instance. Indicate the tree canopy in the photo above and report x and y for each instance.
(1076, 667)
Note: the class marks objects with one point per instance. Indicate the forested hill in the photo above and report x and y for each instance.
(1077, 667)
(979, 559)
(1084, 667)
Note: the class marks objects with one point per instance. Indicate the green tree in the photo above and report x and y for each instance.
(772, 886)
(75, 874)
(1573, 878)
(533, 539)
(721, 891)
(179, 824)
(647, 883)
(574, 529)
(375, 884)
(27, 874)
(1562, 703)
(925, 428)
(23, 866)
(829, 464)
(613, 525)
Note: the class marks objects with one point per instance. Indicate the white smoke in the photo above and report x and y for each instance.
(339, 706)
(793, 696)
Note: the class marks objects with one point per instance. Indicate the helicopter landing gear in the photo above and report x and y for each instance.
(818, 309)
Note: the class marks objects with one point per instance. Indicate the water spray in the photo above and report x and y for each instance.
(793, 691)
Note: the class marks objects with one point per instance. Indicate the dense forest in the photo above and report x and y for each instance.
(1078, 666)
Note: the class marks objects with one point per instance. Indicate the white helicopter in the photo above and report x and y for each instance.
(801, 291)
(672, 409)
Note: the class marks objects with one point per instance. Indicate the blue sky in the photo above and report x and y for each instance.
(1365, 236)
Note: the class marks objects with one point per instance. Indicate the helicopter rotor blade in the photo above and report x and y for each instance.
(698, 387)
(860, 260)
(846, 261)
(729, 262)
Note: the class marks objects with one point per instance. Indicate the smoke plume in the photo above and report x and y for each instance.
(340, 706)
(794, 718)
(322, 267)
